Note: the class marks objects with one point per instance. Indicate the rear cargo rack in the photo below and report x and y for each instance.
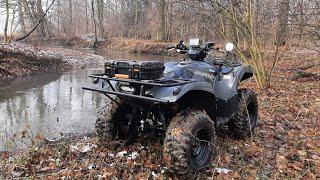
(158, 83)
(126, 95)
(141, 85)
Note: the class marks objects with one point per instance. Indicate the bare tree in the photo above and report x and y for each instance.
(71, 29)
(162, 20)
(283, 22)
(100, 14)
(21, 17)
(39, 15)
(6, 38)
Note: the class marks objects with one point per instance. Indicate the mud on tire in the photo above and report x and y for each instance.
(243, 124)
(189, 144)
(113, 123)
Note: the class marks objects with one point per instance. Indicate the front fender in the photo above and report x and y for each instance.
(173, 94)
(226, 86)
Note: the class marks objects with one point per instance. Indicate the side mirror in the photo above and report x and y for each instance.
(229, 47)
(180, 45)
(209, 45)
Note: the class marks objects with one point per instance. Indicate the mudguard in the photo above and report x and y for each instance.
(226, 91)
(226, 86)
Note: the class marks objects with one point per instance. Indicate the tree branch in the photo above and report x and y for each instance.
(40, 20)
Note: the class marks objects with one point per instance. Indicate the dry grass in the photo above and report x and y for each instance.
(137, 46)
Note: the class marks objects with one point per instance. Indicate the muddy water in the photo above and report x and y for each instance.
(52, 105)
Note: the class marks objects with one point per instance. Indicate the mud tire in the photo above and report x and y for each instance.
(108, 124)
(244, 122)
(182, 139)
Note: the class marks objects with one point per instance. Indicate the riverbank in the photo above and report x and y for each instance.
(18, 60)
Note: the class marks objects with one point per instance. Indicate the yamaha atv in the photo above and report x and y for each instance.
(184, 102)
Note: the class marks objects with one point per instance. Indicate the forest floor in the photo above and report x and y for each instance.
(286, 143)
(18, 60)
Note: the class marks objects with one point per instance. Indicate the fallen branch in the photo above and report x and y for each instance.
(301, 68)
(302, 74)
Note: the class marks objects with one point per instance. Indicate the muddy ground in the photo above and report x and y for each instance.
(17, 60)
(286, 144)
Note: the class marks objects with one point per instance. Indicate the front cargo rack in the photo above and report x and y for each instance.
(141, 85)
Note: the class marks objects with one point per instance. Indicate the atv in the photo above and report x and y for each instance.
(184, 102)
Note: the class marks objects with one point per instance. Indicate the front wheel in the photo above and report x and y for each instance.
(243, 123)
(189, 144)
(116, 123)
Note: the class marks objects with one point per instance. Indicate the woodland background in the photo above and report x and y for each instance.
(253, 25)
(296, 22)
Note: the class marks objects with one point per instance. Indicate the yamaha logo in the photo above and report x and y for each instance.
(207, 75)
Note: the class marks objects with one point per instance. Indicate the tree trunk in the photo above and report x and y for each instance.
(21, 17)
(301, 22)
(70, 31)
(40, 13)
(6, 38)
(162, 20)
(95, 25)
(58, 16)
(27, 10)
(101, 17)
(283, 23)
(87, 19)
(232, 27)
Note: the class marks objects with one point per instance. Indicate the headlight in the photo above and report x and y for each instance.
(229, 47)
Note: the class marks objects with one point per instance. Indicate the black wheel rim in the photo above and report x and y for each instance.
(201, 150)
(124, 133)
(124, 130)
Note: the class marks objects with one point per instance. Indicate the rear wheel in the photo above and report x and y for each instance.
(243, 124)
(190, 142)
(116, 123)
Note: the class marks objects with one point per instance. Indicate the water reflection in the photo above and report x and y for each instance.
(47, 105)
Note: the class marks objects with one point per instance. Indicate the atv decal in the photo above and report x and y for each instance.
(207, 75)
